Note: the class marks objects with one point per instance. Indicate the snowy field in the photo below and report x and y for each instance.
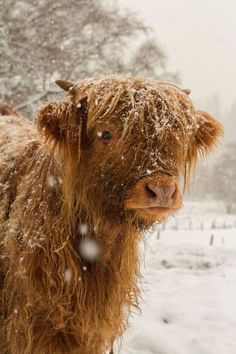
(189, 286)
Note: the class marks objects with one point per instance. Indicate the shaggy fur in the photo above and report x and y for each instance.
(6, 110)
(61, 184)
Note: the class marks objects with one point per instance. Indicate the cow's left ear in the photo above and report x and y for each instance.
(207, 133)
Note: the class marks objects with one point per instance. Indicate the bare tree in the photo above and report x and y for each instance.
(44, 40)
(223, 186)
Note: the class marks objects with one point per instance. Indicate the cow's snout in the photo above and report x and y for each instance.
(160, 195)
(154, 197)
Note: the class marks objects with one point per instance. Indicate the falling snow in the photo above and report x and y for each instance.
(83, 229)
(52, 181)
(67, 275)
(89, 249)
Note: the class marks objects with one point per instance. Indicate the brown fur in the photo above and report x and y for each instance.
(61, 174)
(6, 110)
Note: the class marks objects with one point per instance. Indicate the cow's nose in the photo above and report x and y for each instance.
(160, 193)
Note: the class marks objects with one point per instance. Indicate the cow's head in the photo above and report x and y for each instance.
(125, 143)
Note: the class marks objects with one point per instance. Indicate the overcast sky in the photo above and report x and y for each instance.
(199, 38)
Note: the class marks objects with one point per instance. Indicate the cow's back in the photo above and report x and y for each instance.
(18, 136)
(15, 133)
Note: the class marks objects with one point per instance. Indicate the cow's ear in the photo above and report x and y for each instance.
(59, 122)
(208, 130)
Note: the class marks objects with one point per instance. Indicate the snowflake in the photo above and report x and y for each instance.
(83, 229)
(89, 249)
(67, 275)
(52, 181)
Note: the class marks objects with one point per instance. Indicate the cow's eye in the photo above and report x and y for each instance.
(105, 135)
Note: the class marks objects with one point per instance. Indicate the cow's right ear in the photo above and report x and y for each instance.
(60, 122)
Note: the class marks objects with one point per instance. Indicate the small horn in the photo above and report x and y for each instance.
(187, 91)
(65, 85)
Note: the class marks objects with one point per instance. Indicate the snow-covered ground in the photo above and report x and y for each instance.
(189, 286)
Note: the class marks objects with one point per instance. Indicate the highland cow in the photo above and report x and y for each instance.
(93, 174)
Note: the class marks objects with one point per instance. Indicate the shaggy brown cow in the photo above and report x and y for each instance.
(78, 190)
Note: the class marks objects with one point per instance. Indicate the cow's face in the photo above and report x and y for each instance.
(136, 140)
(130, 176)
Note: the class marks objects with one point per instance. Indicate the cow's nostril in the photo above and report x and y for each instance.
(150, 191)
(161, 192)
